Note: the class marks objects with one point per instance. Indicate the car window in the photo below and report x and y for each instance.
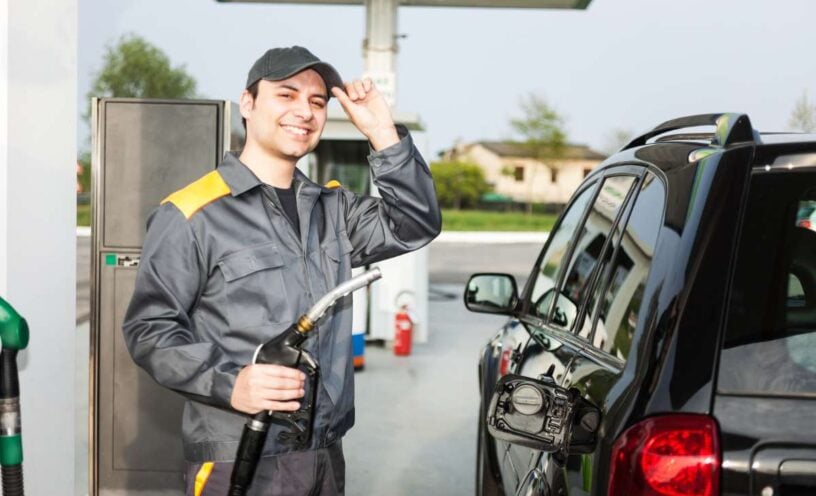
(771, 329)
(625, 278)
(805, 216)
(546, 271)
(590, 248)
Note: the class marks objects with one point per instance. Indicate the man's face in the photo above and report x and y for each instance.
(287, 117)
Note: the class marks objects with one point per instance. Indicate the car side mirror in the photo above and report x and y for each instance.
(539, 414)
(491, 293)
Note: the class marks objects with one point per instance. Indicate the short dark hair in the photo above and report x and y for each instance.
(253, 91)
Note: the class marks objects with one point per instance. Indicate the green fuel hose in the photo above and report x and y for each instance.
(13, 337)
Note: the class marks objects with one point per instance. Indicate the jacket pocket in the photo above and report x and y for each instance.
(336, 259)
(338, 249)
(254, 286)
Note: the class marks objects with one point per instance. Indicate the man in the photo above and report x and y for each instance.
(233, 259)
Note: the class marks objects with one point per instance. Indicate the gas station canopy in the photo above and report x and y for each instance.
(507, 4)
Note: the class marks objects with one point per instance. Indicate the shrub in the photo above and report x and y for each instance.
(459, 184)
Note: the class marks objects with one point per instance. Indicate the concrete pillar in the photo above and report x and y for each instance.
(38, 112)
(380, 46)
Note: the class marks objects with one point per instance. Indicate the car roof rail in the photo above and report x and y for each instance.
(731, 128)
(707, 137)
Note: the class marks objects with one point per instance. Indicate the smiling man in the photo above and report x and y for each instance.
(233, 259)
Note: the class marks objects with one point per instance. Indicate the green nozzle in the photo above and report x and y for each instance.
(13, 328)
(11, 450)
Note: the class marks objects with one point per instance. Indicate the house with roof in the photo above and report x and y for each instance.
(514, 171)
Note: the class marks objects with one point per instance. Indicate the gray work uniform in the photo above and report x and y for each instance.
(217, 279)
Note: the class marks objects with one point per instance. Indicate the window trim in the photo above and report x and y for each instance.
(608, 276)
(615, 240)
(584, 346)
(593, 281)
(624, 169)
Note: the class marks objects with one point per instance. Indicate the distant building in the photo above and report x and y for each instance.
(512, 171)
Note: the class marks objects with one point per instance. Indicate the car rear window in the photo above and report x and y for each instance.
(770, 340)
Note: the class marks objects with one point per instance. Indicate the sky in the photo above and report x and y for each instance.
(620, 64)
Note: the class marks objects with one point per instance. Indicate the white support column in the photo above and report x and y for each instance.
(380, 46)
(4, 93)
(38, 74)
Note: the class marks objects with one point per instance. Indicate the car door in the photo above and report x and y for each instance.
(613, 312)
(514, 340)
(556, 297)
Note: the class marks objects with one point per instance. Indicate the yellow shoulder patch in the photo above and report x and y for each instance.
(333, 184)
(198, 194)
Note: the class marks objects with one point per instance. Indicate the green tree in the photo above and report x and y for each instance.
(459, 184)
(542, 129)
(803, 117)
(135, 68)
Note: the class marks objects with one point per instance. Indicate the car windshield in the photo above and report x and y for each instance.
(770, 342)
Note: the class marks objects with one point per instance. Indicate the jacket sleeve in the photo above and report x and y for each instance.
(158, 330)
(406, 217)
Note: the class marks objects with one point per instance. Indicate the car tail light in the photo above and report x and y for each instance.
(805, 223)
(671, 455)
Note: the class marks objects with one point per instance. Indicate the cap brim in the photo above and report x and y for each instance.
(329, 74)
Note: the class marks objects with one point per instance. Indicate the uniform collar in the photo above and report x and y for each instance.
(241, 179)
(237, 175)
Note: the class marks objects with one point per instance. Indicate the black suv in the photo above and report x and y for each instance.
(665, 342)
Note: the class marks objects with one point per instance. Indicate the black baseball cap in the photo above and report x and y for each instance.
(281, 63)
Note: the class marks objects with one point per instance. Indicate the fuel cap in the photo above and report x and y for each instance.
(527, 400)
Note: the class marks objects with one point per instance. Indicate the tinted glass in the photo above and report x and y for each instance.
(547, 270)
(590, 246)
(625, 278)
(770, 342)
(806, 216)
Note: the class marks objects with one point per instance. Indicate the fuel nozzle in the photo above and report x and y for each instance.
(13, 338)
(286, 349)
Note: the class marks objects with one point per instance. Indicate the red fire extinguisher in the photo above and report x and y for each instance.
(403, 332)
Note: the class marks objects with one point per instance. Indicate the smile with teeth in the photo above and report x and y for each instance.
(296, 130)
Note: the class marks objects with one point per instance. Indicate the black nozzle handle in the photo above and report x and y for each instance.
(249, 453)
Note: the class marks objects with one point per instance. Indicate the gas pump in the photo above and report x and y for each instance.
(143, 150)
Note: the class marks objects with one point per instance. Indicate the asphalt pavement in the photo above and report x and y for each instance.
(415, 429)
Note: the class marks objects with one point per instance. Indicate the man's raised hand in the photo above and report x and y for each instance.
(368, 111)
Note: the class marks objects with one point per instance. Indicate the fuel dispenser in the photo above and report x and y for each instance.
(143, 150)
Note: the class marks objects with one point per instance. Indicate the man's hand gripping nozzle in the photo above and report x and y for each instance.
(286, 349)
